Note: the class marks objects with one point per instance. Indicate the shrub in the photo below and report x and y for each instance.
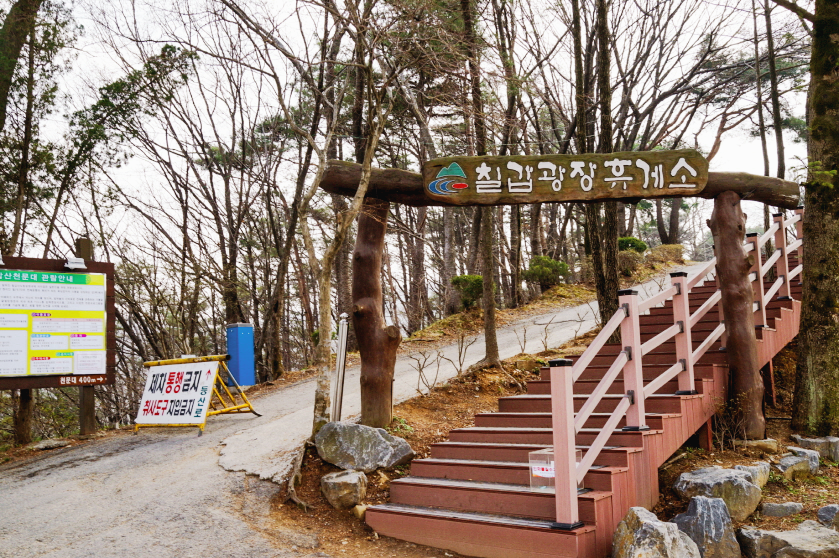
(632, 243)
(628, 262)
(470, 288)
(666, 253)
(546, 271)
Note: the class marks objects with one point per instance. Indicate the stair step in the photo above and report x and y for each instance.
(542, 403)
(511, 472)
(587, 385)
(479, 534)
(610, 456)
(543, 420)
(488, 497)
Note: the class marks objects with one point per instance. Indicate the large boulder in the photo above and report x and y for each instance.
(829, 515)
(642, 535)
(708, 524)
(344, 489)
(810, 540)
(794, 466)
(361, 448)
(740, 495)
(759, 472)
(811, 455)
(827, 447)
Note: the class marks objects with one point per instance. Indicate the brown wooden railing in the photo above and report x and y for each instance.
(567, 424)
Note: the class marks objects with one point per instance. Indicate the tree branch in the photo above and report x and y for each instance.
(796, 9)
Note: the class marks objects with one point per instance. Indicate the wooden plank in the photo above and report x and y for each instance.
(564, 178)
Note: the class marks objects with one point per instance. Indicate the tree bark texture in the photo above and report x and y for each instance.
(816, 401)
(377, 342)
(19, 22)
(728, 225)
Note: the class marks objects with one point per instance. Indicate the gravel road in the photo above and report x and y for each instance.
(169, 493)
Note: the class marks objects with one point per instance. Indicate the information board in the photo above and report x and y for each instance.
(177, 394)
(52, 323)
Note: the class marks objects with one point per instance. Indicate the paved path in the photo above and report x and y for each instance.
(162, 493)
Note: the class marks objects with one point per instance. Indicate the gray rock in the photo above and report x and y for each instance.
(769, 445)
(740, 495)
(50, 444)
(828, 515)
(642, 535)
(812, 457)
(781, 510)
(344, 489)
(810, 540)
(759, 472)
(708, 524)
(361, 448)
(827, 446)
(794, 466)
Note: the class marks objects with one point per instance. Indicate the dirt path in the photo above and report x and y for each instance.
(162, 493)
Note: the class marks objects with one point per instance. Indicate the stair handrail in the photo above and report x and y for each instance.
(564, 373)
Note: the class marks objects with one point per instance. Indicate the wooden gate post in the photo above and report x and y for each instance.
(377, 342)
(684, 340)
(728, 225)
(87, 394)
(633, 374)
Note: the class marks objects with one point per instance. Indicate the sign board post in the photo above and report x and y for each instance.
(185, 391)
(87, 394)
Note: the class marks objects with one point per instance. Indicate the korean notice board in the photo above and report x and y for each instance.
(177, 394)
(54, 326)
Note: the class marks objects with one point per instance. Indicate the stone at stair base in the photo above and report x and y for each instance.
(786, 509)
(344, 489)
(810, 540)
(642, 535)
(740, 495)
(708, 524)
(759, 472)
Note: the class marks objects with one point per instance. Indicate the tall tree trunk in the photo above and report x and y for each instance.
(728, 225)
(609, 304)
(775, 94)
(18, 24)
(815, 406)
(377, 342)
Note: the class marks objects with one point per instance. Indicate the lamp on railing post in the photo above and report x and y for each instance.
(684, 340)
(782, 265)
(633, 375)
(757, 282)
(565, 444)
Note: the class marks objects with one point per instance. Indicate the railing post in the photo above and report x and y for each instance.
(633, 374)
(757, 284)
(684, 341)
(782, 265)
(799, 233)
(565, 445)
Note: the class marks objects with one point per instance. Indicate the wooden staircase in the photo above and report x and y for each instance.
(473, 494)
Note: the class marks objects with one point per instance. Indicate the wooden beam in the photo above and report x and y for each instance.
(406, 187)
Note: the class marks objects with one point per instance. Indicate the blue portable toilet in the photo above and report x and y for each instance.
(240, 349)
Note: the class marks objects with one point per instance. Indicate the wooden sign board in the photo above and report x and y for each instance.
(565, 178)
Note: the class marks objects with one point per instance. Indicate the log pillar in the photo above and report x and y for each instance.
(377, 342)
(728, 225)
